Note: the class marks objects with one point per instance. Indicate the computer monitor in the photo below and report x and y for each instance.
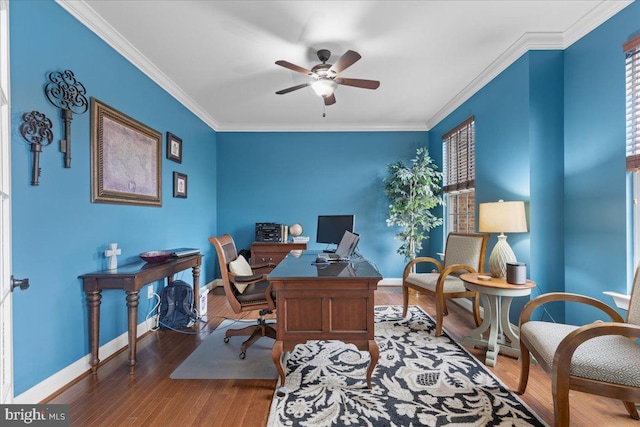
(331, 228)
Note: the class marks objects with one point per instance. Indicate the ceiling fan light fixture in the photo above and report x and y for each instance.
(324, 87)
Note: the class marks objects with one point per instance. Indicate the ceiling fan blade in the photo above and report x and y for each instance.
(346, 60)
(366, 84)
(294, 67)
(330, 100)
(291, 89)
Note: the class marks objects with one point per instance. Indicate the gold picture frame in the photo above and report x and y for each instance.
(126, 159)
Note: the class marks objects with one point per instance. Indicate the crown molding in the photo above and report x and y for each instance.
(594, 18)
(308, 127)
(532, 41)
(88, 17)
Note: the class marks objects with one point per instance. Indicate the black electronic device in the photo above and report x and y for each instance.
(331, 228)
(270, 232)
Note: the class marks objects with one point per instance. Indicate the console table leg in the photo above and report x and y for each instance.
(93, 299)
(195, 270)
(132, 306)
(374, 352)
(276, 355)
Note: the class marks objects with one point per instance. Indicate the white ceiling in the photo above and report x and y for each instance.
(218, 57)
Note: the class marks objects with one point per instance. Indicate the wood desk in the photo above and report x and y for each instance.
(496, 296)
(131, 278)
(332, 302)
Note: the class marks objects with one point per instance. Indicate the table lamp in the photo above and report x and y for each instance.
(502, 217)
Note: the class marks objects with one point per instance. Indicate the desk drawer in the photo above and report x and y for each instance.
(262, 257)
(272, 252)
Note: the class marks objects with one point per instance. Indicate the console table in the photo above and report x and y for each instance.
(131, 278)
(496, 296)
(324, 302)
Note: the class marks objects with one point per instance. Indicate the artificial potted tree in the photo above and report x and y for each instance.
(414, 190)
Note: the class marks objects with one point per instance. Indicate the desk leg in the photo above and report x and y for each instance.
(374, 353)
(132, 308)
(276, 355)
(93, 298)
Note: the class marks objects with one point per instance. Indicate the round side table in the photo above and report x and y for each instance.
(496, 295)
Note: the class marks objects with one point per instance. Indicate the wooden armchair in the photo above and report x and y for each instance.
(464, 252)
(246, 290)
(601, 358)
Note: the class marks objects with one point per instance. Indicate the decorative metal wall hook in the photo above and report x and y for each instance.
(68, 94)
(36, 130)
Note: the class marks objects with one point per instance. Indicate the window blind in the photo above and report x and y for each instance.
(632, 53)
(458, 149)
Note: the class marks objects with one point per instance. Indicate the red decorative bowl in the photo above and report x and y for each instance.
(155, 256)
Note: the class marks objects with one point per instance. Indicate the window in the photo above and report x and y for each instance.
(632, 53)
(458, 150)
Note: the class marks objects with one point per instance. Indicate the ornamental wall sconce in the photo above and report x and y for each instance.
(36, 130)
(68, 94)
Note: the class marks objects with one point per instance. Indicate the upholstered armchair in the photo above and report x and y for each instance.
(246, 290)
(601, 358)
(464, 253)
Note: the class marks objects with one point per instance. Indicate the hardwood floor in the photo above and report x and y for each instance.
(112, 397)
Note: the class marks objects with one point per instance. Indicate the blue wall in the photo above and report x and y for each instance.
(594, 152)
(501, 111)
(294, 177)
(550, 130)
(58, 233)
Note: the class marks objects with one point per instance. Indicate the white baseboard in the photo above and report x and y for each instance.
(60, 379)
(49, 386)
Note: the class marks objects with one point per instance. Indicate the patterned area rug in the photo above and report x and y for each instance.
(420, 380)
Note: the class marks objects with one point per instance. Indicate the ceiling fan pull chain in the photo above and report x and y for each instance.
(324, 110)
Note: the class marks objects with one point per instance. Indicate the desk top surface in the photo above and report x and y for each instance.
(300, 264)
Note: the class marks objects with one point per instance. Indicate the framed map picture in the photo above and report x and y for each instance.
(126, 159)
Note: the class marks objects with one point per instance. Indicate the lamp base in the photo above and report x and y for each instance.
(500, 256)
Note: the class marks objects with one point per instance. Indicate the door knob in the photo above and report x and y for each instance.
(22, 283)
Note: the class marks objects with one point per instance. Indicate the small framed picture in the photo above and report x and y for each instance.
(179, 185)
(174, 148)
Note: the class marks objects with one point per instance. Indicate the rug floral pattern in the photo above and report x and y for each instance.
(420, 380)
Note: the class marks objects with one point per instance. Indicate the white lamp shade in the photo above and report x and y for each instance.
(502, 217)
(324, 87)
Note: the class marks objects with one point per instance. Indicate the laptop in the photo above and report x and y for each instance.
(346, 248)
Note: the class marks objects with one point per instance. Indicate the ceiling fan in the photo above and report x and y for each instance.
(326, 76)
